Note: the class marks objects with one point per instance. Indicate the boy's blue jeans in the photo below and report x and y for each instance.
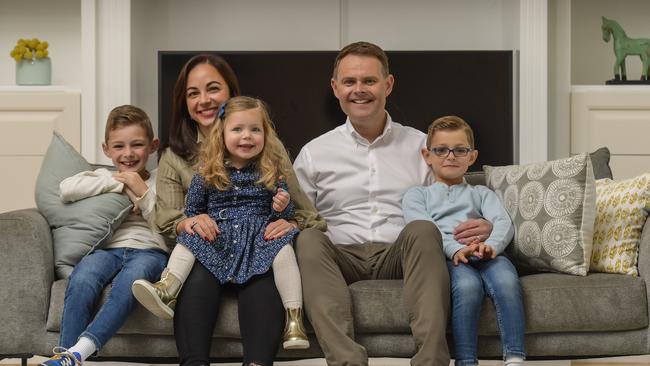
(119, 266)
(469, 284)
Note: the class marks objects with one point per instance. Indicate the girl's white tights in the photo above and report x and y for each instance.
(287, 278)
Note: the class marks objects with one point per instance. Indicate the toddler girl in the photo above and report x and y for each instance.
(239, 186)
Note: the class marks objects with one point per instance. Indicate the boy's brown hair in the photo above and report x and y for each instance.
(450, 123)
(363, 49)
(127, 115)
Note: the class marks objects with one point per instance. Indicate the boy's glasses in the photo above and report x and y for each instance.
(443, 152)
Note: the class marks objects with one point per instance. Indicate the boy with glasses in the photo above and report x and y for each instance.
(475, 269)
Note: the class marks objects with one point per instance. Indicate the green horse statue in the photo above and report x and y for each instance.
(625, 46)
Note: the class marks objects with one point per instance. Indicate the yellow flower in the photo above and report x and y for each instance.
(29, 48)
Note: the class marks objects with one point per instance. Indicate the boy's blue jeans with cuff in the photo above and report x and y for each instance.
(119, 267)
(470, 282)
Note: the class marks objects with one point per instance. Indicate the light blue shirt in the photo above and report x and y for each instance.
(448, 206)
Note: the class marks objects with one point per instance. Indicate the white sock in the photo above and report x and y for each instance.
(514, 361)
(84, 347)
(287, 277)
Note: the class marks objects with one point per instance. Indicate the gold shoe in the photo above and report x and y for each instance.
(294, 336)
(160, 297)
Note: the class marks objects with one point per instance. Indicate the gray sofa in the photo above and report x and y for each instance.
(566, 316)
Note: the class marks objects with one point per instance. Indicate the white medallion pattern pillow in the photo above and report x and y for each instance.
(621, 211)
(552, 207)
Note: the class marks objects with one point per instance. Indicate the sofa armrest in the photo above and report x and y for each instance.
(644, 252)
(644, 268)
(27, 266)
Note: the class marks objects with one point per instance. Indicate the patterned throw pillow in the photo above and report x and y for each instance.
(552, 206)
(621, 211)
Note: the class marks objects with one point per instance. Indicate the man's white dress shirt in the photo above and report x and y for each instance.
(358, 186)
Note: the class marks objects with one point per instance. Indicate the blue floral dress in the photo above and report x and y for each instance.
(242, 213)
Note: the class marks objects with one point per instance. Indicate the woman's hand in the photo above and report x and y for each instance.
(201, 225)
(278, 229)
(473, 230)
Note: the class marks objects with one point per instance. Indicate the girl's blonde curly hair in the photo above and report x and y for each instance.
(272, 163)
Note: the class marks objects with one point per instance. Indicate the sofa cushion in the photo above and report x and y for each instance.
(552, 207)
(553, 303)
(621, 211)
(141, 321)
(79, 226)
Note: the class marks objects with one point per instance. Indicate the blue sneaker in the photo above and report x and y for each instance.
(63, 357)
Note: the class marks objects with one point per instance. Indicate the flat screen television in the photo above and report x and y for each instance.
(475, 85)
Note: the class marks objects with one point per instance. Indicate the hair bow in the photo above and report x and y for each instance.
(222, 111)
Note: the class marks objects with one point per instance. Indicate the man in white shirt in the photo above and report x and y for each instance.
(356, 175)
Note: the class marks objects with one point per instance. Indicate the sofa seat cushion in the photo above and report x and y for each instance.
(594, 303)
(142, 321)
(553, 303)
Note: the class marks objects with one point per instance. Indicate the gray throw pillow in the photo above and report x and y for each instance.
(599, 162)
(80, 226)
(552, 207)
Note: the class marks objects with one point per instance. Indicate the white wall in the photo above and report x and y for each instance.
(592, 60)
(311, 25)
(57, 22)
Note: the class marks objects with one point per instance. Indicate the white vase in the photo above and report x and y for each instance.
(34, 72)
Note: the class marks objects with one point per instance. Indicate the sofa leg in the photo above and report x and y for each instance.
(23, 357)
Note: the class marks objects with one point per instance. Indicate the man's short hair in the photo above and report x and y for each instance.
(127, 115)
(450, 123)
(363, 48)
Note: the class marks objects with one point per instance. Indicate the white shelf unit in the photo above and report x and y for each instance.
(28, 115)
(616, 116)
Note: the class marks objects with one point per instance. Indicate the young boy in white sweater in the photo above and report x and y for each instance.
(134, 251)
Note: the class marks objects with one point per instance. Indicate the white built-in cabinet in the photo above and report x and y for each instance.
(28, 115)
(616, 116)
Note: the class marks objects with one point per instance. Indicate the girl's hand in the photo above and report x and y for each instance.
(201, 225)
(280, 200)
(472, 230)
(278, 229)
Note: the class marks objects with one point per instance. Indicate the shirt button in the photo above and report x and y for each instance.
(237, 188)
(234, 241)
(235, 226)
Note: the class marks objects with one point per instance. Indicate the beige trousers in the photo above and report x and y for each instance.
(416, 256)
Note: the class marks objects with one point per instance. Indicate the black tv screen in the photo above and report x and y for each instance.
(475, 85)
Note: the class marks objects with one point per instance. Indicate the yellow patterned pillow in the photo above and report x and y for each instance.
(621, 211)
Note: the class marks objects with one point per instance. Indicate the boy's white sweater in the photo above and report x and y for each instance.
(137, 230)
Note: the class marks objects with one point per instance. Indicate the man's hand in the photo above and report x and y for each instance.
(201, 225)
(473, 230)
(280, 200)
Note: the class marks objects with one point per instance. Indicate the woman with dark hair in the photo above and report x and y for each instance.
(204, 83)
